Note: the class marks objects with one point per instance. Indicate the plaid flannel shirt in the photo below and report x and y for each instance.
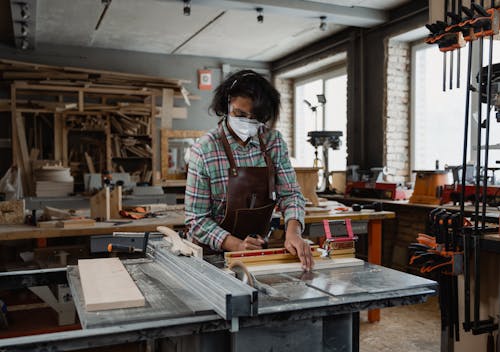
(207, 178)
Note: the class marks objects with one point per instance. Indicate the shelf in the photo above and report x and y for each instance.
(133, 136)
(131, 157)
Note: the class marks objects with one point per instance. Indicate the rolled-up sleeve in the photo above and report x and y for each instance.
(290, 200)
(198, 201)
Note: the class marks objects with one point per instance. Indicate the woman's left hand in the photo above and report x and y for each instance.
(295, 244)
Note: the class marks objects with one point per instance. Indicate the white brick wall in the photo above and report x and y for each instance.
(285, 122)
(397, 111)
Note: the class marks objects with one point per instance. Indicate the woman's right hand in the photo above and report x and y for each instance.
(251, 243)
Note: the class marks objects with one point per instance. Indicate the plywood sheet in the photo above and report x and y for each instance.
(106, 284)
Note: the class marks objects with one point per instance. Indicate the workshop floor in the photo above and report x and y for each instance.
(414, 328)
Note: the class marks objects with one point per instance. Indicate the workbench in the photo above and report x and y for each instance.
(316, 311)
(176, 218)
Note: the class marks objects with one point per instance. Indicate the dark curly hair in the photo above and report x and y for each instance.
(249, 84)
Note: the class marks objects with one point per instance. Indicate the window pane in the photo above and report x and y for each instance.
(438, 123)
(307, 120)
(494, 154)
(336, 118)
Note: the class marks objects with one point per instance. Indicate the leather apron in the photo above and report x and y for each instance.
(251, 194)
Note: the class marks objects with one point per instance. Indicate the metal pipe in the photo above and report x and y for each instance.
(446, 3)
(459, 49)
(462, 196)
(487, 132)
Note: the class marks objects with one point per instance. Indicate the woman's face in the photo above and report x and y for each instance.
(241, 107)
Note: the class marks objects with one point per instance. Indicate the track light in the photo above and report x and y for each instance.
(25, 11)
(25, 44)
(322, 25)
(187, 8)
(260, 16)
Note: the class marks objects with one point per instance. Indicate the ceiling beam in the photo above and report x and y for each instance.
(23, 14)
(343, 15)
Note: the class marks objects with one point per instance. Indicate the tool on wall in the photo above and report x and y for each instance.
(451, 236)
(440, 252)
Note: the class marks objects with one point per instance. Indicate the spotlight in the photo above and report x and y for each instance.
(260, 16)
(322, 25)
(24, 30)
(25, 44)
(25, 11)
(187, 7)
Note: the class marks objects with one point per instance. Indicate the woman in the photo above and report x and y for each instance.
(239, 171)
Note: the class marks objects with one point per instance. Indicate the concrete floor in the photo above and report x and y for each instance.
(415, 328)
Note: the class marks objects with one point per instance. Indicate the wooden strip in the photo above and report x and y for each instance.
(58, 130)
(67, 224)
(90, 163)
(23, 148)
(164, 153)
(26, 75)
(292, 267)
(80, 101)
(106, 284)
(61, 88)
(167, 107)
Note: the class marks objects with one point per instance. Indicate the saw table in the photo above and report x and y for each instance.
(197, 307)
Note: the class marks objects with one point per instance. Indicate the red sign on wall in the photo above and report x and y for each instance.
(204, 79)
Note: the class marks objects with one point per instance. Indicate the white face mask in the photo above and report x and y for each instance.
(243, 127)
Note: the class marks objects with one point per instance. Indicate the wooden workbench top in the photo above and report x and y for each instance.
(174, 218)
(351, 200)
(17, 232)
(353, 215)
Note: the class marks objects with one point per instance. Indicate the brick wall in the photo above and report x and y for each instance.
(397, 111)
(285, 122)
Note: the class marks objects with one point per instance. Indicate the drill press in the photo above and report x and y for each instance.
(327, 140)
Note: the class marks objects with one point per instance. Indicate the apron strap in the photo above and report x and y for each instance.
(227, 149)
(271, 174)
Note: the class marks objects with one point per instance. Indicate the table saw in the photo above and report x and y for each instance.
(195, 306)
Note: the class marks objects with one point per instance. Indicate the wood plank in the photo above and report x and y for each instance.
(81, 107)
(155, 162)
(106, 284)
(23, 148)
(164, 153)
(62, 88)
(292, 267)
(58, 131)
(167, 107)
(26, 75)
(90, 163)
(72, 223)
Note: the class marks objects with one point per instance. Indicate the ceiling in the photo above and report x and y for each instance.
(217, 28)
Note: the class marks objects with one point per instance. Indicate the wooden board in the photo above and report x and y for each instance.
(12, 212)
(291, 267)
(106, 204)
(307, 178)
(106, 284)
(66, 224)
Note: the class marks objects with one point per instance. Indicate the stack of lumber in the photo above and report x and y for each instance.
(128, 125)
(54, 75)
(53, 181)
(129, 146)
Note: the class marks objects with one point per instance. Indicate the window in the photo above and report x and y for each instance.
(438, 117)
(312, 115)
